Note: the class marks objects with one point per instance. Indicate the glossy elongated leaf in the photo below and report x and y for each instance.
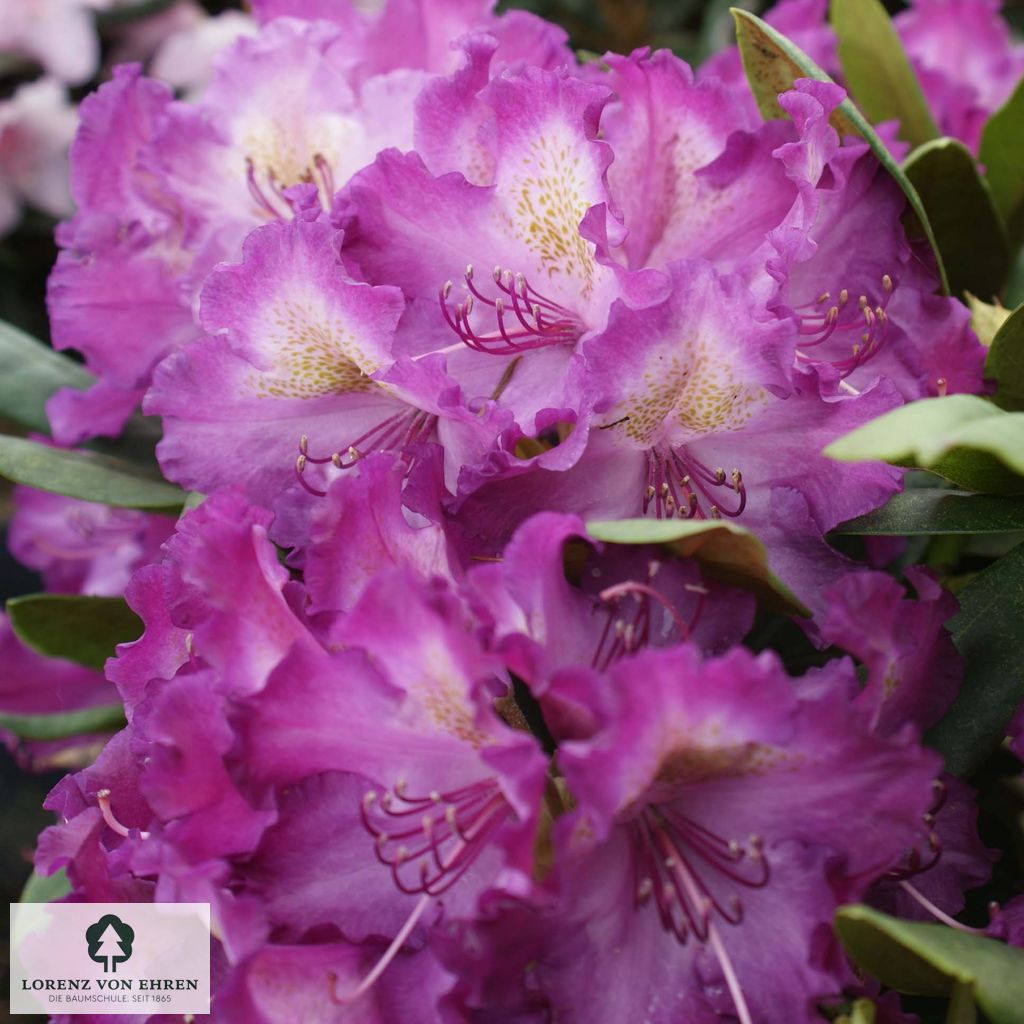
(969, 232)
(84, 630)
(934, 959)
(30, 372)
(935, 511)
(727, 552)
(85, 475)
(961, 437)
(877, 71)
(988, 636)
(45, 888)
(109, 718)
(772, 63)
(1002, 156)
(1005, 362)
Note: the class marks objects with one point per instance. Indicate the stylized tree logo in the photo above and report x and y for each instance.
(110, 942)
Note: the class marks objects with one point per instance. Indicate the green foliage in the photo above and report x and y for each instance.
(1005, 364)
(45, 888)
(84, 630)
(86, 475)
(877, 71)
(968, 230)
(986, 318)
(936, 511)
(29, 373)
(935, 960)
(961, 437)
(987, 632)
(108, 718)
(1002, 155)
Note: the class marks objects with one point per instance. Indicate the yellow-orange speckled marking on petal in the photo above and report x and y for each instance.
(444, 702)
(313, 355)
(692, 761)
(698, 393)
(286, 150)
(549, 199)
(441, 691)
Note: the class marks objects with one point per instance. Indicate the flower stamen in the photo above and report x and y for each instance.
(679, 484)
(867, 319)
(103, 799)
(396, 433)
(524, 319)
(451, 830)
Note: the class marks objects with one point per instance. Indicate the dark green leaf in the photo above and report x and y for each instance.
(937, 511)
(772, 63)
(727, 552)
(962, 1008)
(987, 633)
(1002, 156)
(1005, 363)
(109, 718)
(933, 960)
(963, 438)
(29, 373)
(969, 231)
(84, 630)
(877, 71)
(45, 888)
(86, 475)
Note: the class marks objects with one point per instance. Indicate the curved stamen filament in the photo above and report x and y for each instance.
(103, 799)
(679, 484)
(939, 915)
(669, 851)
(523, 318)
(265, 202)
(453, 829)
(731, 978)
(869, 321)
(326, 179)
(396, 433)
(382, 964)
(633, 587)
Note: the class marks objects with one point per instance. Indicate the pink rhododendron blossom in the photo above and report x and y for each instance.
(79, 547)
(303, 103)
(716, 812)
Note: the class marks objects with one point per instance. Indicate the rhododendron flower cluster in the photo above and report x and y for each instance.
(509, 390)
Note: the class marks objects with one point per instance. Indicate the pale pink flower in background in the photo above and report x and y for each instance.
(36, 127)
(59, 34)
(185, 58)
